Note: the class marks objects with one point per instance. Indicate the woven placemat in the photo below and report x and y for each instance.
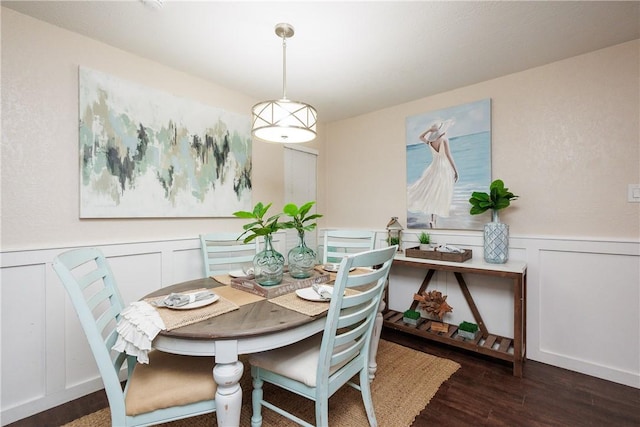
(174, 319)
(310, 308)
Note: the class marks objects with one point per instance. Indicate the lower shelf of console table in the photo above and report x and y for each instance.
(504, 348)
(492, 345)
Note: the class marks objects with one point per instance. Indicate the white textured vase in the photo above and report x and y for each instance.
(496, 241)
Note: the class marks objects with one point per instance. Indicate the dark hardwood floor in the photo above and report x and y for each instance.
(482, 393)
(485, 393)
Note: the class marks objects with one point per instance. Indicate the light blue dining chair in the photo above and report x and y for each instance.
(169, 388)
(320, 365)
(339, 243)
(222, 252)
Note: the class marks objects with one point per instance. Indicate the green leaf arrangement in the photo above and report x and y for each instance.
(299, 218)
(499, 197)
(258, 226)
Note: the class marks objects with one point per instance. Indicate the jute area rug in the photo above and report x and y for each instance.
(405, 382)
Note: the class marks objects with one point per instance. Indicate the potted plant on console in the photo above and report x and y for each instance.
(468, 330)
(425, 241)
(411, 317)
(302, 259)
(268, 264)
(496, 234)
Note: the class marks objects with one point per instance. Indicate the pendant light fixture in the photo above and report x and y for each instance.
(284, 121)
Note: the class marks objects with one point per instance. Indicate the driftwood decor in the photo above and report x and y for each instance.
(434, 303)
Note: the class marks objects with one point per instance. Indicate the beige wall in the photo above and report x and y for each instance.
(565, 138)
(40, 164)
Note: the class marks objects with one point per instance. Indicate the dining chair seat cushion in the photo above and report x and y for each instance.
(169, 380)
(297, 361)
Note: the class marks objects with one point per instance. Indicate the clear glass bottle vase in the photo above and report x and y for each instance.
(268, 264)
(302, 259)
(496, 240)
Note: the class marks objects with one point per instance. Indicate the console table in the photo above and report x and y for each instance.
(509, 349)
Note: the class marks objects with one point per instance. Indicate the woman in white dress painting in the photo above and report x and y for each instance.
(432, 193)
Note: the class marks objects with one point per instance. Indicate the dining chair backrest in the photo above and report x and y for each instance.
(348, 331)
(91, 286)
(223, 252)
(339, 243)
(344, 345)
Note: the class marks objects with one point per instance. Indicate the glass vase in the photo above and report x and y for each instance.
(302, 259)
(268, 264)
(496, 241)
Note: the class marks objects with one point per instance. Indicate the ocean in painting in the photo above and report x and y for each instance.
(146, 153)
(472, 156)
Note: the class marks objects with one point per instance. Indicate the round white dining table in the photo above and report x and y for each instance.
(252, 328)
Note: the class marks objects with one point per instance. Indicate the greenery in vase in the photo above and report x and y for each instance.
(468, 327)
(411, 314)
(258, 226)
(424, 238)
(299, 217)
(499, 197)
(393, 241)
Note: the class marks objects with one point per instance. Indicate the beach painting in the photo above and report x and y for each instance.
(149, 154)
(448, 158)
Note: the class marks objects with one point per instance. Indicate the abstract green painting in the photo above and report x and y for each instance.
(147, 153)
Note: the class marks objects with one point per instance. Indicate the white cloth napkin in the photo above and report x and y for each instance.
(140, 323)
(178, 300)
(138, 326)
(323, 291)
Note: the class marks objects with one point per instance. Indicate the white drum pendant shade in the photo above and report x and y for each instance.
(284, 121)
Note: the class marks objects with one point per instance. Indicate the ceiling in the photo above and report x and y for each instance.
(351, 57)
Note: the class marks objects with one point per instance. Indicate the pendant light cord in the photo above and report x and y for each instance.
(284, 66)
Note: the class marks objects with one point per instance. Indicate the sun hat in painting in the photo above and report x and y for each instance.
(441, 130)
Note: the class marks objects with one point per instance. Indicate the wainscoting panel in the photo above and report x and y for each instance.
(46, 360)
(583, 305)
(588, 310)
(187, 265)
(23, 334)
